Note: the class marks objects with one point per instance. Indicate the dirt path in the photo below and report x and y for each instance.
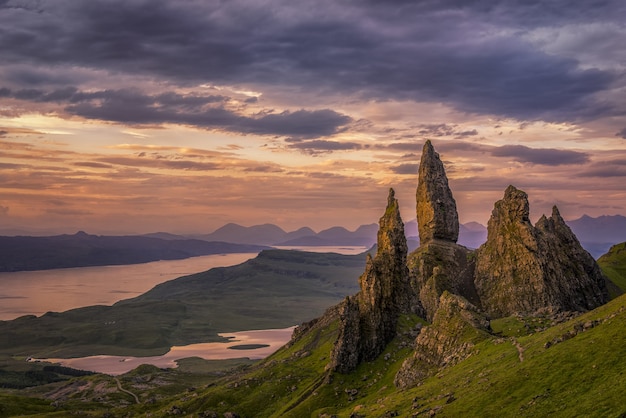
(520, 349)
(121, 389)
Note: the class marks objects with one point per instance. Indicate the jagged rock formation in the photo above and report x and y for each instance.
(439, 264)
(456, 328)
(524, 269)
(521, 269)
(369, 319)
(437, 217)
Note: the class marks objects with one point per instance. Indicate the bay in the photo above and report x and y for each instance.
(38, 292)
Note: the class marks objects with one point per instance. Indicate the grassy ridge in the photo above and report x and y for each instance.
(613, 265)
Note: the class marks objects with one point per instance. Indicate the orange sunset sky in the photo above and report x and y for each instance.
(123, 117)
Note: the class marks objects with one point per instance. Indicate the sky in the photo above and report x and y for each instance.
(136, 116)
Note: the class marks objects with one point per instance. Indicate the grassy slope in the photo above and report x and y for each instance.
(276, 289)
(613, 265)
(581, 376)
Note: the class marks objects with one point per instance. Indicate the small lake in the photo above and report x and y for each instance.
(38, 292)
(270, 340)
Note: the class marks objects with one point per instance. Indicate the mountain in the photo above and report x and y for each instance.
(265, 234)
(598, 234)
(83, 250)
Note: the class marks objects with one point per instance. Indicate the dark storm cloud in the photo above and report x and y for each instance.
(543, 156)
(134, 107)
(466, 54)
(621, 133)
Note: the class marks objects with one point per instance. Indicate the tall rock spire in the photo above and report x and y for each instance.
(369, 318)
(437, 217)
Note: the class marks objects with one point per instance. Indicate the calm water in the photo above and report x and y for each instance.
(114, 365)
(37, 292)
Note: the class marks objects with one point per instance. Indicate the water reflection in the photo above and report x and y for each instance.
(271, 339)
(37, 292)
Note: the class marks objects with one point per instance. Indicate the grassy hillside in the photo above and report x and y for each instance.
(572, 369)
(277, 289)
(613, 265)
(565, 371)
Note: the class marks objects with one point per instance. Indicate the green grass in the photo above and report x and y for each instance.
(578, 377)
(613, 265)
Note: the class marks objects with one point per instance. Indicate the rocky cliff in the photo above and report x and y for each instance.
(526, 269)
(368, 319)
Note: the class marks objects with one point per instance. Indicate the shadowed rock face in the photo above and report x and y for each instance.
(438, 266)
(526, 270)
(456, 327)
(369, 319)
(437, 217)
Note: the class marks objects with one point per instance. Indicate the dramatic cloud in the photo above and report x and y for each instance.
(134, 107)
(320, 106)
(540, 156)
(410, 169)
(467, 55)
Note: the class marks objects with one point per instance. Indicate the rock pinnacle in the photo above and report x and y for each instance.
(437, 217)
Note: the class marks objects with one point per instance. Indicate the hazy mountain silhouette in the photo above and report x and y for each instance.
(83, 250)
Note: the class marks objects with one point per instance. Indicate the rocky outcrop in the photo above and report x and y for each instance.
(437, 217)
(439, 264)
(457, 326)
(523, 269)
(369, 318)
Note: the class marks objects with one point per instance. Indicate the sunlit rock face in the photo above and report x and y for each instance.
(369, 318)
(526, 269)
(437, 217)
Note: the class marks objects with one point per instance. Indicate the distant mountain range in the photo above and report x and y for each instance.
(596, 235)
(18, 253)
